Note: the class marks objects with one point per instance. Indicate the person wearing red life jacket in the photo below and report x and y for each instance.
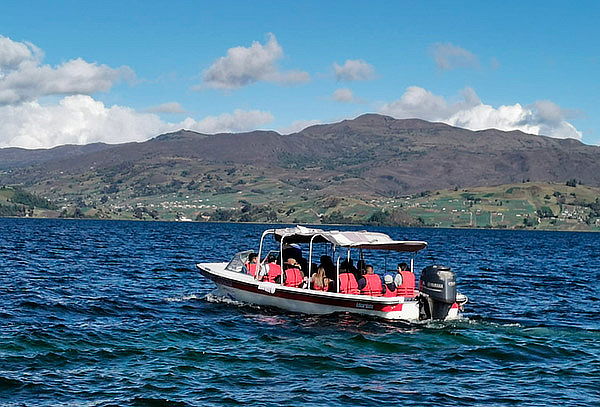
(319, 281)
(273, 270)
(292, 276)
(405, 281)
(370, 283)
(348, 284)
(390, 286)
(251, 264)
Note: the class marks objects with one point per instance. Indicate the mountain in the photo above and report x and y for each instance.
(369, 157)
(14, 157)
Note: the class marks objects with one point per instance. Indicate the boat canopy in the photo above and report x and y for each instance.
(351, 239)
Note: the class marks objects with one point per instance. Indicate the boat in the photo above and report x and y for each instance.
(435, 298)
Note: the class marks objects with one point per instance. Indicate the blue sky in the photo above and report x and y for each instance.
(78, 72)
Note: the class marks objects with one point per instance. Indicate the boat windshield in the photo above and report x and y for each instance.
(238, 261)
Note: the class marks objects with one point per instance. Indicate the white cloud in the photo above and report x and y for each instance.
(239, 120)
(170, 107)
(13, 54)
(299, 125)
(449, 56)
(243, 66)
(354, 70)
(420, 103)
(23, 78)
(543, 117)
(80, 119)
(343, 95)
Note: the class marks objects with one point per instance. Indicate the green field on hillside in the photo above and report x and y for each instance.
(528, 205)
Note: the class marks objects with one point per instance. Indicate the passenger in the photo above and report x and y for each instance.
(327, 264)
(370, 283)
(303, 265)
(405, 281)
(398, 274)
(360, 265)
(348, 284)
(348, 265)
(293, 277)
(293, 251)
(290, 263)
(251, 264)
(389, 286)
(273, 270)
(319, 281)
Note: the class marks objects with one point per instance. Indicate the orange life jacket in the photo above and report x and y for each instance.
(251, 267)
(348, 284)
(293, 277)
(373, 286)
(273, 273)
(407, 289)
(389, 292)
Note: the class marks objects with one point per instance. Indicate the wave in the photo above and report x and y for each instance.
(184, 298)
(7, 383)
(218, 297)
(156, 402)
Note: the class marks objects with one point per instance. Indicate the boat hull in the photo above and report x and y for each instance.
(244, 288)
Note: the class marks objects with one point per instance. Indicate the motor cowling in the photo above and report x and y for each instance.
(438, 291)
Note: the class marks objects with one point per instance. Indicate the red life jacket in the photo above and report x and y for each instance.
(319, 288)
(293, 277)
(348, 284)
(373, 286)
(407, 289)
(389, 292)
(273, 273)
(251, 267)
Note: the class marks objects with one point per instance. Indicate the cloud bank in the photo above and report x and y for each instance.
(298, 125)
(354, 70)
(79, 119)
(243, 66)
(542, 117)
(23, 77)
(238, 121)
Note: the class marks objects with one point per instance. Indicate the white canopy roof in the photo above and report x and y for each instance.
(359, 239)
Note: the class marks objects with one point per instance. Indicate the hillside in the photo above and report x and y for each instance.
(19, 203)
(525, 205)
(324, 172)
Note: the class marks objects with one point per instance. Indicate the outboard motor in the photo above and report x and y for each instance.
(438, 292)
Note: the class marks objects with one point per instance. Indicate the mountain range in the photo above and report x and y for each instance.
(372, 155)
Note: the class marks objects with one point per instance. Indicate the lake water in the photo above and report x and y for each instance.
(109, 313)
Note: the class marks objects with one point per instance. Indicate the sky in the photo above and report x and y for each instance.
(77, 72)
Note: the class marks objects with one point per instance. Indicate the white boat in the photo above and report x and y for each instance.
(436, 297)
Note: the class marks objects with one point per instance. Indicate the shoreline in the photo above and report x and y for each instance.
(303, 223)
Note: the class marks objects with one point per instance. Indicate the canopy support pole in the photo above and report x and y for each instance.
(281, 260)
(310, 252)
(260, 246)
(338, 274)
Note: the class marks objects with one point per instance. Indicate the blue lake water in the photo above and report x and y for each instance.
(103, 313)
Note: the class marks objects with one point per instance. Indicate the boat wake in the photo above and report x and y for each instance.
(183, 298)
(218, 297)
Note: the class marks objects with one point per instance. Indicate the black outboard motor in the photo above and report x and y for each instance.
(438, 292)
